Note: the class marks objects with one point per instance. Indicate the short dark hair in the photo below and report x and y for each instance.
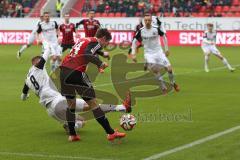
(66, 14)
(103, 32)
(35, 58)
(92, 10)
(46, 12)
(210, 24)
(146, 14)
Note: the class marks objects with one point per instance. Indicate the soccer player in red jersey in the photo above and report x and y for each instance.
(75, 80)
(90, 25)
(67, 29)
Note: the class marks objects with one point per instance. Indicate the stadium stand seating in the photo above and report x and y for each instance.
(36, 11)
(169, 8)
(16, 8)
(129, 8)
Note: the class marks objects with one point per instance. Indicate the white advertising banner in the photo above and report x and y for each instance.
(189, 24)
(175, 38)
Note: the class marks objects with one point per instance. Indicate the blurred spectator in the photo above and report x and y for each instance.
(87, 6)
(107, 8)
(59, 6)
(19, 10)
(15, 8)
(113, 5)
(131, 11)
(101, 6)
(1, 8)
(11, 11)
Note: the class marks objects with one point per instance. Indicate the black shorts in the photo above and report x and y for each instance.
(73, 82)
(66, 46)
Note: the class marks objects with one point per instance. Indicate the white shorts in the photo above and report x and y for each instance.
(208, 49)
(31, 38)
(53, 48)
(158, 58)
(57, 109)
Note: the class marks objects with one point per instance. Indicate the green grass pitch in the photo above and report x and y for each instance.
(212, 99)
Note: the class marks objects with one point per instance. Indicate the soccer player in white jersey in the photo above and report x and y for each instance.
(56, 105)
(157, 22)
(154, 56)
(31, 39)
(209, 47)
(50, 33)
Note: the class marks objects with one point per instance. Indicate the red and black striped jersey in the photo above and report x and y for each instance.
(90, 26)
(67, 33)
(84, 51)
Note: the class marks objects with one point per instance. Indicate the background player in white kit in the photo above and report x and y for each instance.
(31, 39)
(209, 47)
(50, 33)
(154, 56)
(40, 83)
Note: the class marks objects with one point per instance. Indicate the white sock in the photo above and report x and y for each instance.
(57, 64)
(206, 61)
(110, 108)
(225, 62)
(52, 65)
(171, 77)
(23, 48)
(160, 78)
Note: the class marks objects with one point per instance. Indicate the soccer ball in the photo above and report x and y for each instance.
(127, 122)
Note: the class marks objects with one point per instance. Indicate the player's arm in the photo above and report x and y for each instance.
(98, 25)
(39, 31)
(25, 94)
(103, 54)
(136, 38)
(162, 33)
(90, 56)
(57, 31)
(79, 23)
(43, 60)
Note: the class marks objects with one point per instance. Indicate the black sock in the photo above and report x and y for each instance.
(70, 116)
(100, 117)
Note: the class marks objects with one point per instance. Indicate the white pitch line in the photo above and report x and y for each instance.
(192, 144)
(38, 155)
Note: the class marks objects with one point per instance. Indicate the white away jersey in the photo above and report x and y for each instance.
(150, 39)
(39, 81)
(49, 31)
(209, 38)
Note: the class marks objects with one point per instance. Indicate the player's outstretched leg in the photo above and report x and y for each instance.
(206, 58)
(103, 121)
(116, 134)
(156, 70)
(20, 52)
(225, 62)
(70, 116)
(125, 107)
(172, 80)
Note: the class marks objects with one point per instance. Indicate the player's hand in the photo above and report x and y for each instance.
(103, 66)
(133, 57)
(39, 42)
(167, 53)
(59, 41)
(106, 55)
(24, 97)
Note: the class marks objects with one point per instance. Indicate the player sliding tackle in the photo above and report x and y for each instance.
(75, 80)
(209, 46)
(155, 59)
(56, 105)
